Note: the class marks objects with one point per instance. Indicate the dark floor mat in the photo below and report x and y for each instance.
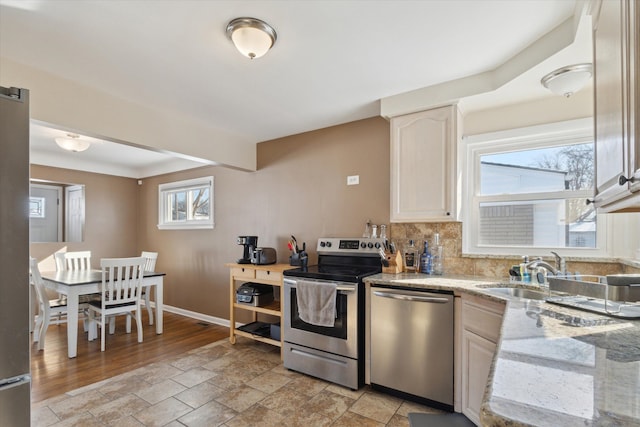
(439, 420)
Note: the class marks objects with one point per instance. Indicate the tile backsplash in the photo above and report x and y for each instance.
(484, 265)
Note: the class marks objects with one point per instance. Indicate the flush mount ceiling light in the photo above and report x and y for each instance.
(251, 36)
(72, 142)
(568, 80)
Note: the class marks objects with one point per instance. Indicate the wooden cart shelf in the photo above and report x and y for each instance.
(265, 274)
(272, 309)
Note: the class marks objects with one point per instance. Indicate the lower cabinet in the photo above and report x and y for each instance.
(481, 320)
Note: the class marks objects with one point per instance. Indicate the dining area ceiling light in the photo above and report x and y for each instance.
(252, 37)
(568, 80)
(72, 142)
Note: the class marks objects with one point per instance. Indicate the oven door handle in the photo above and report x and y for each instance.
(406, 297)
(348, 289)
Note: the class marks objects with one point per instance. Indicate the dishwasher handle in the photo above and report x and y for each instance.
(405, 297)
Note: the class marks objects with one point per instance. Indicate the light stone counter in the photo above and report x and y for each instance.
(554, 366)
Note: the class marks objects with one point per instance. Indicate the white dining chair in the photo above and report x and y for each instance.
(50, 312)
(72, 261)
(150, 265)
(79, 260)
(121, 294)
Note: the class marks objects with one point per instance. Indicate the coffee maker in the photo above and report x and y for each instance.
(249, 243)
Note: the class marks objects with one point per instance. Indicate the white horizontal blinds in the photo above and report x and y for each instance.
(186, 185)
(186, 188)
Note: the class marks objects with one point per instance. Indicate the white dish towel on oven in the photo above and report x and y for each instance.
(316, 302)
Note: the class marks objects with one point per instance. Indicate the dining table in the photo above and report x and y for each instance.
(74, 283)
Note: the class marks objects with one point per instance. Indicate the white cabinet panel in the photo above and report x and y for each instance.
(616, 62)
(481, 321)
(477, 356)
(423, 150)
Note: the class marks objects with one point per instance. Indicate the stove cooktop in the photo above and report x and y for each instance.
(343, 260)
(339, 273)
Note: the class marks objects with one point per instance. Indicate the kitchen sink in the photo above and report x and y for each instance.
(518, 292)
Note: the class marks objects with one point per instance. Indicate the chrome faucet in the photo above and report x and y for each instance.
(561, 264)
(559, 269)
(538, 262)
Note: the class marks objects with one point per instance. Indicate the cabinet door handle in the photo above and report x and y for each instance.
(623, 180)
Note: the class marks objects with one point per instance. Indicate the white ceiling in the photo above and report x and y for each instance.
(103, 156)
(332, 63)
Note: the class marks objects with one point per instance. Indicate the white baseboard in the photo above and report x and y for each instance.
(194, 315)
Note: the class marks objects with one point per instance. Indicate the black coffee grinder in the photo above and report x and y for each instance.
(249, 242)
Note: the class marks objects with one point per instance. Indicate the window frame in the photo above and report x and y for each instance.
(164, 213)
(532, 137)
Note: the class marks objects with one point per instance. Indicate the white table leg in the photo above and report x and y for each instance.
(159, 295)
(72, 324)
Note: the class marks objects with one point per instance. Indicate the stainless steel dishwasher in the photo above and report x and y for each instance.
(412, 344)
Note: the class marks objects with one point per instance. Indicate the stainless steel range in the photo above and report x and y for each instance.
(332, 349)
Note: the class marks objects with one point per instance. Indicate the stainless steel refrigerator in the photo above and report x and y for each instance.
(15, 375)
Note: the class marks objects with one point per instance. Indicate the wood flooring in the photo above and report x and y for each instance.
(53, 373)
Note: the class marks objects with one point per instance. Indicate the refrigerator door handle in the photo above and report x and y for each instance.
(8, 383)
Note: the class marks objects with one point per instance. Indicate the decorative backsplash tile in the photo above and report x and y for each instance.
(485, 266)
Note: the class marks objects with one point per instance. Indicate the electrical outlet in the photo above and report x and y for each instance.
(353, 180)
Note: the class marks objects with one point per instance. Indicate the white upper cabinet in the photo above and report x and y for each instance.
(616, 37)
(423, 166)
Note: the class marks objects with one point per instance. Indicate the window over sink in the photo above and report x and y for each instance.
(186, 204)
(527, 190)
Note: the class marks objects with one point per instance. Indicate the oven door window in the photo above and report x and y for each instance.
(339, 329)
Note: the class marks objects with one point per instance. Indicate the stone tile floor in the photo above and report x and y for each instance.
(222, 385)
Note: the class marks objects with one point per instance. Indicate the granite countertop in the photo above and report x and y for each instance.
(554, 366)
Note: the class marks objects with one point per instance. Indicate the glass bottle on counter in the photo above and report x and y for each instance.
(367, 230)
(411, 257)
(437, 255)
(426, 266)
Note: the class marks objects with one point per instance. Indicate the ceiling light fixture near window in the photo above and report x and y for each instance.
(251, 36)
(72, 142)
(568, 80)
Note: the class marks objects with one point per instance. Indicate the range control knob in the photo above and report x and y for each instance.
(370, 245)
(377, 245)
(322, 244)
(328, 244)
(363, 245)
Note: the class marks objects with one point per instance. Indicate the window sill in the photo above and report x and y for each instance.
(625, 261)
(185, 226)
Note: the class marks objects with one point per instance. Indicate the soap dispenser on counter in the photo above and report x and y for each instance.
(524, 271)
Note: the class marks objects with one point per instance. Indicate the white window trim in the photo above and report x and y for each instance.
(163, 224)
(473, 146)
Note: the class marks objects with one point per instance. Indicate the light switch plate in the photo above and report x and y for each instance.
(353, 180)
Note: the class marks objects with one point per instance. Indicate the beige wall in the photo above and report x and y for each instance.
(111, 216)
(538, 112)
(299, 188)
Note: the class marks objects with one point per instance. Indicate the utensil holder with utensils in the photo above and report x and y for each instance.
(394, 261)
(298, 258)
